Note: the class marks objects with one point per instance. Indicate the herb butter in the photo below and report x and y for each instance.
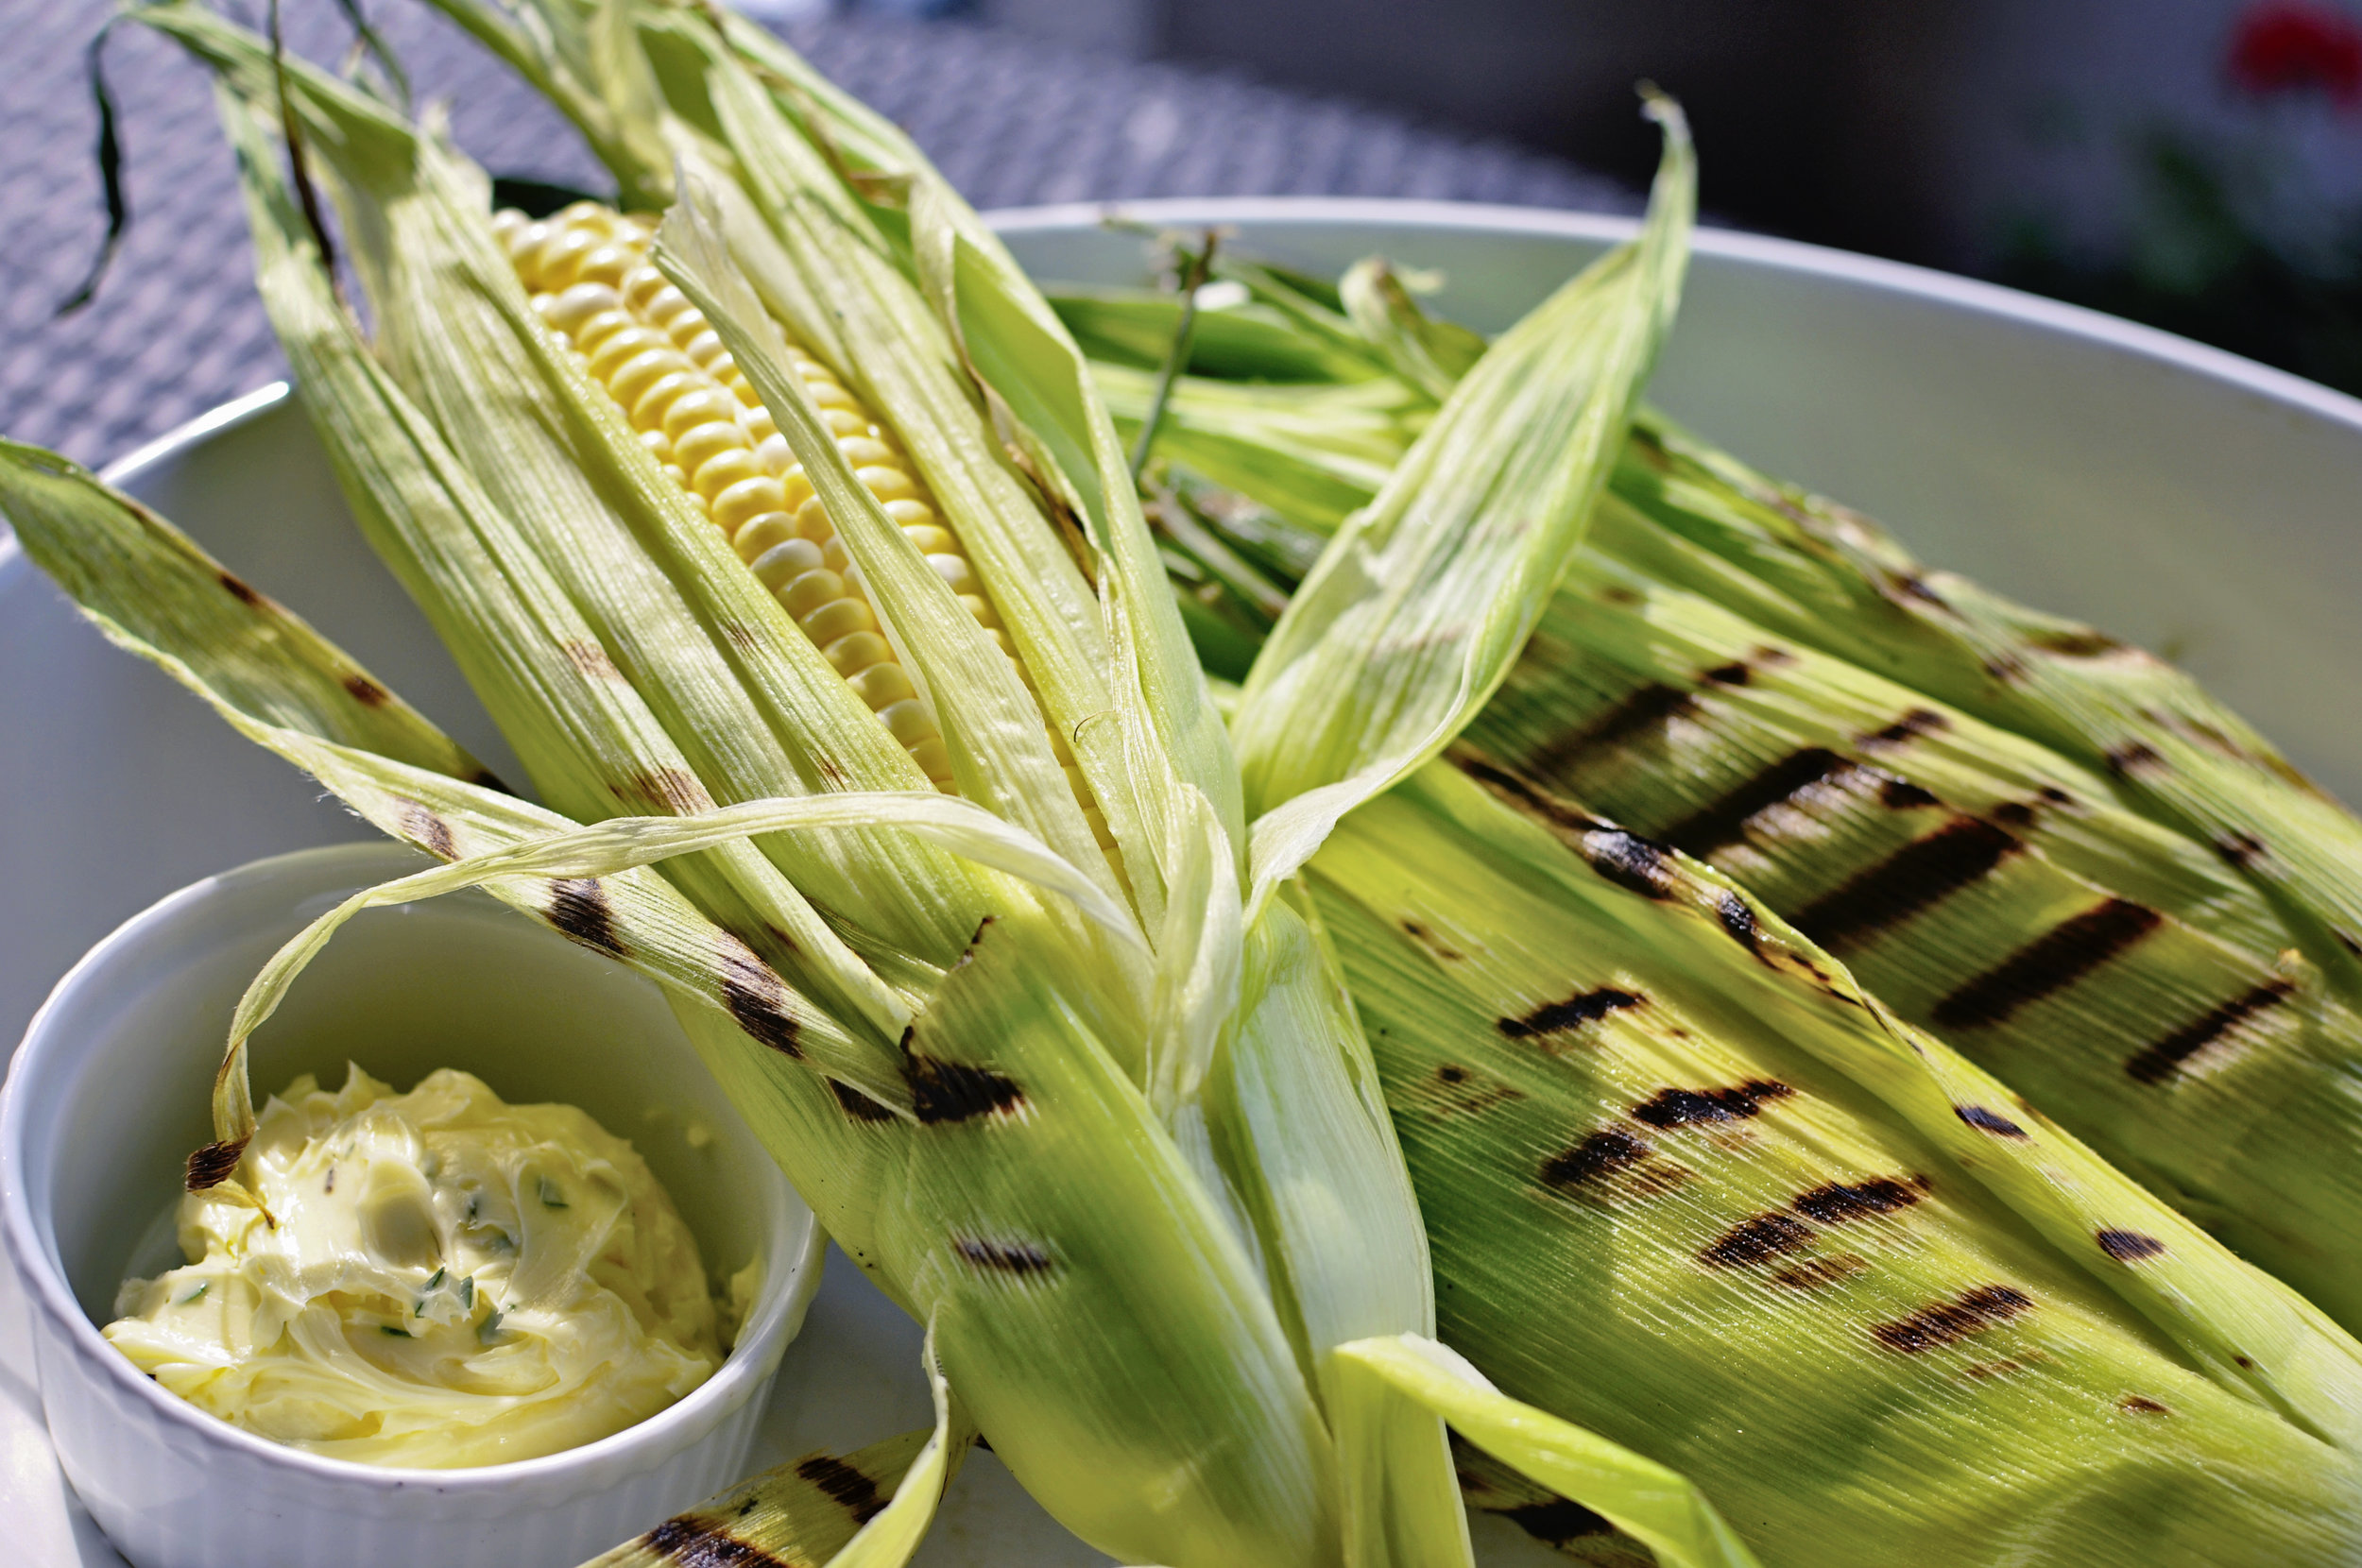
(441, 1280)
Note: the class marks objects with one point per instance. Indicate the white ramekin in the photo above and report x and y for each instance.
(110, 1091)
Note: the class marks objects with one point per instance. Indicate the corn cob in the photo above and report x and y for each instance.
(1110, 1130)
(1988, 887)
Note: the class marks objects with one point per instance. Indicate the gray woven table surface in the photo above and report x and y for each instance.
(175, 328)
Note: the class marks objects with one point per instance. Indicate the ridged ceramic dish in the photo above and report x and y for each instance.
(2170, 493)
(111, 1086)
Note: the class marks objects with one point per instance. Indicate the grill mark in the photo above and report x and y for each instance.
(1923, 873)
(1814, 1272)
(1739, 919)
(1558, 1520)
(856, 1493)
(2239, 848)
(366, 691)
(693, 1543)
(1597, 1157)
(212, 1164)
(757, 998)
(1641, 709)
(1948, 1322)
(2158, 1063)
(1008, 1257)
(1837, 1202)
(2141, 1404)
(2137, 757)
(417, 822)
(2052, 961)
(1630, 862)
(1583, 1007)
(1430, 941)
(2084, 643)
(1678, 1107)
(1910, 584)
(2007, 669)
(244, 592)
(858, 1105)
(580, 908)
(1756, 1240)
(1734, 673)
(1901, 794)
(1723, 822)
(1910, 727)
(1989, 1121)
(953, 1091)
(2129, 1246)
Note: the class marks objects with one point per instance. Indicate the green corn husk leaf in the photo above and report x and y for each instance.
(1693, 1191)
(1644, 1499)
(1419, 604)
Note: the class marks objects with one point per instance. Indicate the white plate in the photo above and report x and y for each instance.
(2172, 494)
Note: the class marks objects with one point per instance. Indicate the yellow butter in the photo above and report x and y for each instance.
(450, 1281)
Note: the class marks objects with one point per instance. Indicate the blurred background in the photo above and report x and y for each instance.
(2192, 163)
(2195, 163)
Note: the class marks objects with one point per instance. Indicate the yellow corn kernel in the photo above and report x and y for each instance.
(838, 619)
(854, 654)
(934, 758)
(956, 573)
(784, 563)
(882, 685)
(887, 484)
(700, 405)
(746, 500)
(725, 468)
(604, 264)
(862, 452)
(762, 534)
(811, 520)
(908, 721)
(700, 444)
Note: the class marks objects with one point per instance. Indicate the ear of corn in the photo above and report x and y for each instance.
(1687, 1189)
(2015, 897)
(1140, 1201)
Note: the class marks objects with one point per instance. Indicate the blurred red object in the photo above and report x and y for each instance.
(2289, 46)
